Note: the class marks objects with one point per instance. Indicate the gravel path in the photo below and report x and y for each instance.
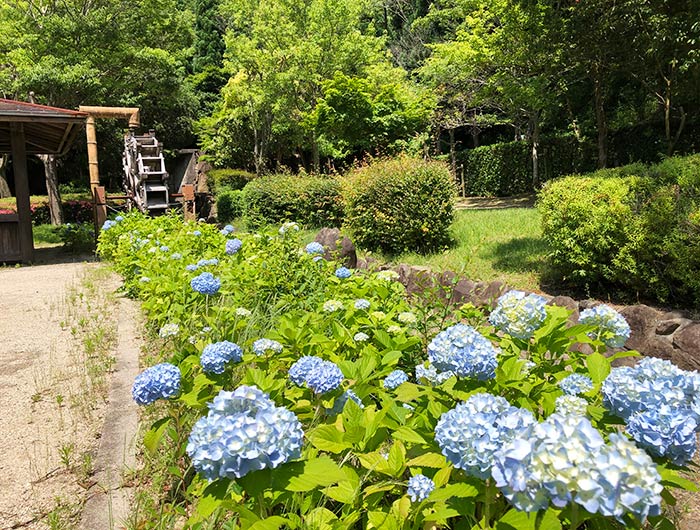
(54, 381)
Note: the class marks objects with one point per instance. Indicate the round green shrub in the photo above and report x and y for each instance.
(635, 228)
(309, 200)
(229, 205)
(400, 204)
(232, 179)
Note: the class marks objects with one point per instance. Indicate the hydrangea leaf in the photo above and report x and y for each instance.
(431, 460)
(598, 367)
(271, 523)
(517, 520)
(408, 435)
(212, 497)
(308, 475)
(671, 477)
(152, 438)
(460, 490)
(383, 520)
(328, 438)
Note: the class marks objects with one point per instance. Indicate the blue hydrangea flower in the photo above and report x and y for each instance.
(519, 314)
(621, 479)
(613, 329)
(576, 384)
(568, 404)
(288, 226)
(176, 256)
(233, 246)
(243, 432)
(360, 337)
(206, 283)
(665, 431)
(627, 390)
(343, 272)
(473, 432)
(300, 369)
(261, 346)
(315, 248)
(196, 233)
(215, 356)
(206, 262)
(431, 374)
(394, 379)
(108, 224)
(144, 279)
(226, 230)
(419, 488)
(342, 399)
(192, 267)
(324, 377)
(161, 381)
(465, 352)
(168, 330)
(119, 218)
(164, 248)
(362, 304)
(548, 462)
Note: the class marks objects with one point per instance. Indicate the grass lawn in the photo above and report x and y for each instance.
(502, 244)
(45, 236)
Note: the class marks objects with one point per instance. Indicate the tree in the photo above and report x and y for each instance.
(101, 52)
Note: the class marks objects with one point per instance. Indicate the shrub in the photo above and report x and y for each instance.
(635, 227)
(229, 205)
(401, 204)
(234, 179)
(73, 212)
(311, 201)
(505, 169)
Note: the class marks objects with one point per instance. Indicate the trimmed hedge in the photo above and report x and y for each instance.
(401, 204)
(505, 169)
(635, 227)
(313, 202)
(229, 205)
(232, 179)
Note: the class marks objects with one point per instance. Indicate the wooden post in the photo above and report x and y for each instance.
(188, 202)
(19, 162)
(93, 164)
(100, 208)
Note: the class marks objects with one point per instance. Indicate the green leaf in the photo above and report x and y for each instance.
(308, 475)
(397, 459)
(598, 367)
(460, 490)
(671, 477)
(517, 520)
(408, 435)
(431, 460)
(328, 438)
(271, 523)
(152, 438)
(383, 520)
(212, 497)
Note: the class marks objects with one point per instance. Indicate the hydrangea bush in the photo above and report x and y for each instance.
(301, 399)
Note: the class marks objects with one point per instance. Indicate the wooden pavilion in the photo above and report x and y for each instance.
(30, 129)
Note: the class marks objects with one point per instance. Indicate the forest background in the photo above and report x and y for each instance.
(316, 85)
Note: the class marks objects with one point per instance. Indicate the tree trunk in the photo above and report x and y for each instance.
(4, 186)
(671, 139)
(601, 121)
(453, 154)
(316, 154)
(535, 137)
(52, 188)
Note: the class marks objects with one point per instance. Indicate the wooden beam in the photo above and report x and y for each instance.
(19, 163)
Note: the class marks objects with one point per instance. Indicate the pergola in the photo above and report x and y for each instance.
(30, 129)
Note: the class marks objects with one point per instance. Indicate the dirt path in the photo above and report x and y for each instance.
(58, 334)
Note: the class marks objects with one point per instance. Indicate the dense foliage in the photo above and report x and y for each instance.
(309, 200)
(232, 179)
(299, 395)
(229, 205)
(634, 227)
(400, 204)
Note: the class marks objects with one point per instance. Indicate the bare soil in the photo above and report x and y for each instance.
(52, 410)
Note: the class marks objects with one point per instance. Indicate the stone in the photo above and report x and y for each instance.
(587, 304)
(462, 293)
(667, 327)
(642, 320)
(687, 347)
(337, 247)
(569, 303)
(493, 292)
(420, 278)
(361, 263)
